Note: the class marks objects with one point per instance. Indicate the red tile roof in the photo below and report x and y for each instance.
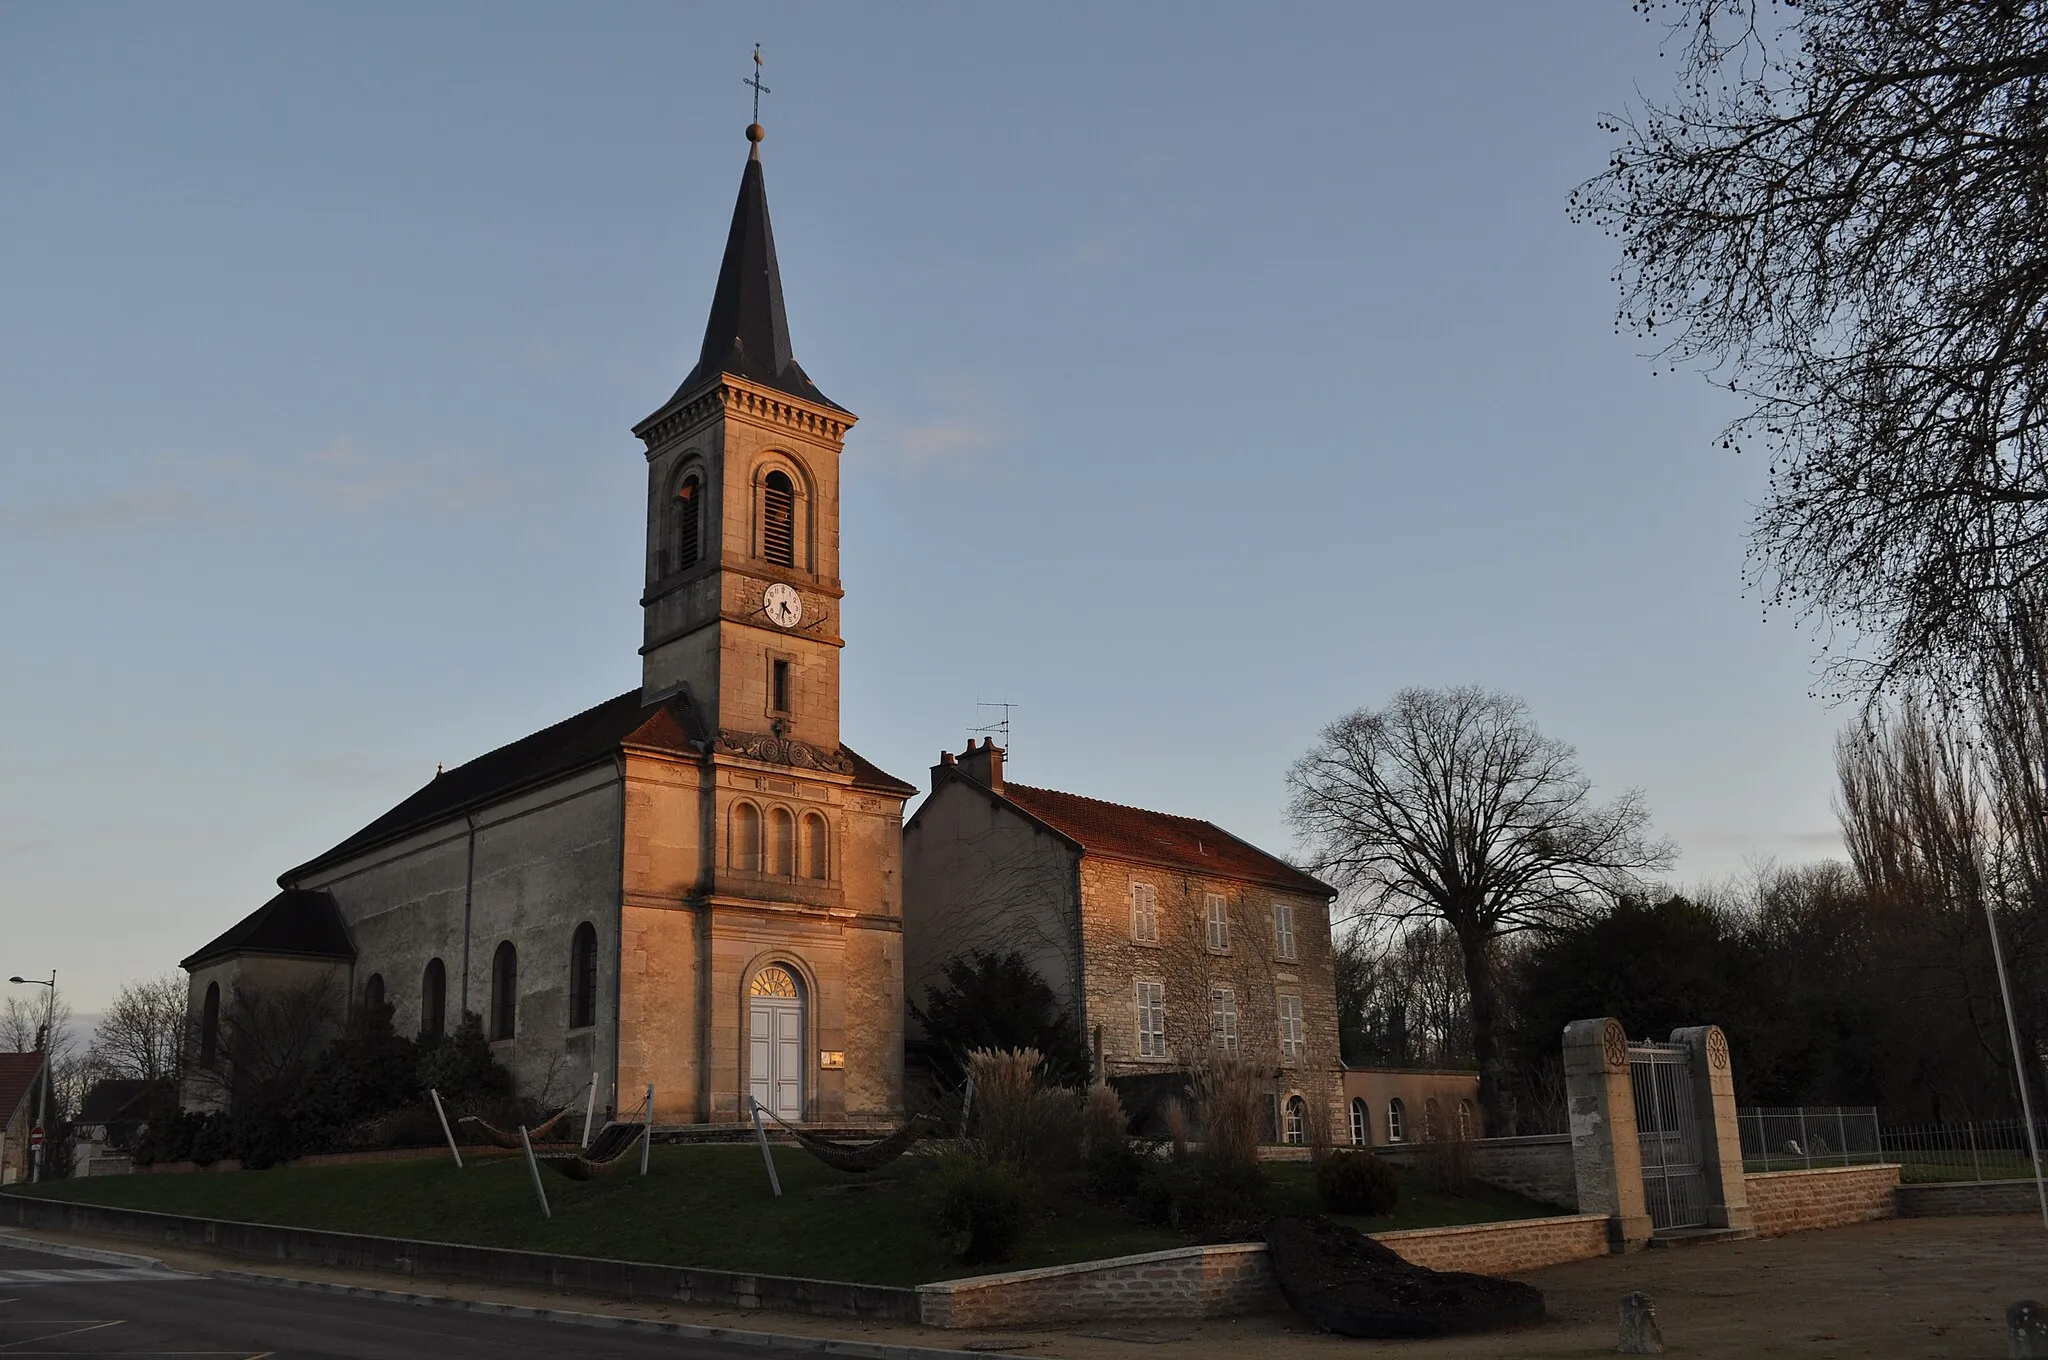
(1187, 843)
(18, 1073)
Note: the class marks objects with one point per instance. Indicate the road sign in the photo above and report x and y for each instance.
(35, 1136)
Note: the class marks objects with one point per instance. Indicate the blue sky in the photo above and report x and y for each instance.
(1221, 370)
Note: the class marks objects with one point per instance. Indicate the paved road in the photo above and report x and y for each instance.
(60, 1305)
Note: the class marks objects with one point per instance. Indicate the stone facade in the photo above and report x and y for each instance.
(1538, 1166)
(995, 866)
(1825, 1197)
(1968, 1197)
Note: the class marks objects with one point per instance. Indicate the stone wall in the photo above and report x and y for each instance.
(1825, 1197)
(1968, 1197)
(1225, 1281)
(1539, 1167)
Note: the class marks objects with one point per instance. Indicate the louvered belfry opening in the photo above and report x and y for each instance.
(687, 546)
(778, 520)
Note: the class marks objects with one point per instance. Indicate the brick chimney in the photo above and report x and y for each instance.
(983, 764)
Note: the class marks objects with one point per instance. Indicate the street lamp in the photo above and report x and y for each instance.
(35, 1171)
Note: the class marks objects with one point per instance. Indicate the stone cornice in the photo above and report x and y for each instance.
(738, 398)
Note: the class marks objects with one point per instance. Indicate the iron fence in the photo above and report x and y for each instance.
(1972, 1150)
(1809, 1136)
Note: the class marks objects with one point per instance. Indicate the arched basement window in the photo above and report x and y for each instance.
(1361, 1123)
(817, 848)
(746, 837)
(782, 843)
(583, 977)
(778, 519)
(209, 1026)
(504, 991)
(434, 1000)
(689, 522)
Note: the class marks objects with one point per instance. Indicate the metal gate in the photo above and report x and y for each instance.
(1668, 1134)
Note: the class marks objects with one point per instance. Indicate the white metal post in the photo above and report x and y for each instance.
(774, 1181)
(2019, 1066)
(445, 1130)
(533, 1167)
(647, 1130)
(590, 1107)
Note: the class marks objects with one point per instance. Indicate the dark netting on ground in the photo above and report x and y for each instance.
(1344, 1282)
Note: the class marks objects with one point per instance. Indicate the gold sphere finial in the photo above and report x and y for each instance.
(755, 133)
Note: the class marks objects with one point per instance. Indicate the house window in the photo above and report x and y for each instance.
(1465, 1119)
(1151, 1019)
(583, 977)
(778, 519)
(688, 513)
(817, 847)
(504, 991)
(209, 1026)
(746, 837)
(1283, 930)
(1432, 1121)
(778, 686)
(1397, 1121)
(1223, 1018)
(1292, 1046)
(373, 995)
(782, 843)
(1361, 1122)
(434, 1000)
(1144, 913)
(1297, 1121)
(1219, 923)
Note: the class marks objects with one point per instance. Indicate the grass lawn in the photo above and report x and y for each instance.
(702, 1206)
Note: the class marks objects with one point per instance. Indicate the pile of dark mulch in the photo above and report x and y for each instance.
(1344, 1282)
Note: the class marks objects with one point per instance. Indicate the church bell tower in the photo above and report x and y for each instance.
(741, 605)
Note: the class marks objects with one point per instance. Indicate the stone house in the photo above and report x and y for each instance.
(695, 884)
(1162, 935)
(20, 1075)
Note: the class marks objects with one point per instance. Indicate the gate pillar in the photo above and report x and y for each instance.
(1606, 1159)
(1720, 1136)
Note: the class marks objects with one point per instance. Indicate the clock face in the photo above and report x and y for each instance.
(782, 605)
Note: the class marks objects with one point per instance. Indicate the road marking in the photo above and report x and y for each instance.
(93, 1274)
(33, 1340)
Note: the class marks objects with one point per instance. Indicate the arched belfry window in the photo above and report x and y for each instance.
(781, 843)
(817, 847)
(689, 522)
(583, 977)
(209, 1026)
(778, 519)
(504, 991)
(746, 837)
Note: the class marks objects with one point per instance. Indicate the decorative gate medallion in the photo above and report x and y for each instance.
(1668, 1135)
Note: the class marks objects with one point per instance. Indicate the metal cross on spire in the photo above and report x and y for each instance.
(755, 81)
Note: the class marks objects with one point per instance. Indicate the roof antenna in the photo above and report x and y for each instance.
(1001, 726)
(754, 132)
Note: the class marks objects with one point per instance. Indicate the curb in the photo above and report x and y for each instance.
(11, 1237)
(858, 1350)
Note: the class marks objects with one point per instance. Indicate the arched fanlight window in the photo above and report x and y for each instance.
(689, 522)
(774, 980)
(778, 519)
(746, 837)
(583, 977)
(209, 1026)
(817, 848)
(1361, 1122)
(504, 991)
(1397, 1121)
(434, 1000)
(1465, 1118)
(373, 994)
(1297, 1120)
(781, 843)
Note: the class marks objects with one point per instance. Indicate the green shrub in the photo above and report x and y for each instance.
(1199, 1193)
(980, 1210)
(1117, 1170)
(1356, 1183)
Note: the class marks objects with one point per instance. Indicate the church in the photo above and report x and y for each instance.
(694, 885)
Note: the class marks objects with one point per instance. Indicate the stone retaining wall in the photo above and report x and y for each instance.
(1825, 1197)
(1539, 1167)
(454, 1261)
(1968, 1197)
(1224, 1281)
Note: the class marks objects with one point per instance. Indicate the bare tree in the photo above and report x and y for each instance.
(270, 1038)
(1448, 805)
(1839, 215)
(142, 1034)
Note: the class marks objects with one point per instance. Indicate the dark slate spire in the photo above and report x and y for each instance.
(748, 333)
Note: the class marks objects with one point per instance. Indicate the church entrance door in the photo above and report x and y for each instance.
(775, 1042)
